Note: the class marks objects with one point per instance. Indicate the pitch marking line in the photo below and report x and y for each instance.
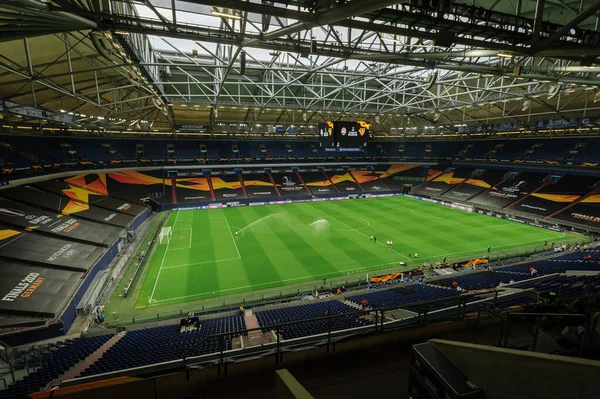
(190, 235)
(474, 251)
(359, 232)
(232, 238)
(162, 261)
(366, 268)
(368, 224)
(200, 263)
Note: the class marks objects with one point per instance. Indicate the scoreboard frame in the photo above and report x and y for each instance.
(344, 135)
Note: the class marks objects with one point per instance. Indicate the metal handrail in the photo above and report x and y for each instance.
(593, 325)
(539, 316)
(379, 312)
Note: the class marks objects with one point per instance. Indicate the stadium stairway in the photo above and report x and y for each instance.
(331, 181)
(572, 204)
(272, 180)
(511, 205)
(304, 184)
(356, 181)
(256, 338)
(80, 367)
(241, 178)
(210, 185)
(352, 304)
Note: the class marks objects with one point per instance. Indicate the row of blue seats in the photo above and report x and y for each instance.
(402, 297)
(55, 361)
(482, 280)
(272, 317)
(20, 150)
(550, 267)
(166, 343)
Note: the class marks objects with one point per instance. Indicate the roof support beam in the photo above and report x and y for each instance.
(582, 16)
(168, 24)
(330, 16)
(539, 19)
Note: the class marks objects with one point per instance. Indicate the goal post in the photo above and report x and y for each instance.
(165, 235)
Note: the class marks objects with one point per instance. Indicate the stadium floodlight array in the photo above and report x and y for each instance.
(165, 235)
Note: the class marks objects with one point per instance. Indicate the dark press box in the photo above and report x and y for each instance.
(432, 375)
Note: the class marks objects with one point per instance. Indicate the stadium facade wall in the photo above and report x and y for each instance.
(51, 330)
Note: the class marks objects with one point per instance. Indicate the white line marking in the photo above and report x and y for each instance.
(190, 235)
(472, 251)
(200, 263)
(278, 281)
(162, 261)
(358, 228)
(232, 238)
(359, 232)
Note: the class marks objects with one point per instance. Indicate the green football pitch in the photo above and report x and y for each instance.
(227, 251)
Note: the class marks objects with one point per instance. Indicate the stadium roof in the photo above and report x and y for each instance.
(422, 65)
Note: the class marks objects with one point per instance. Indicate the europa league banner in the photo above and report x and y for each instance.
(35, 291)
(69, 227)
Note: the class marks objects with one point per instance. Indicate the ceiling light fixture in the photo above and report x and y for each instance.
(505, 55)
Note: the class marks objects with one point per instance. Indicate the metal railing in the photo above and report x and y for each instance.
(455, 310)
(538, 321)
(593, 325)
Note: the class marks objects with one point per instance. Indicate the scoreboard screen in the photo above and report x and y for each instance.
(351, 134)
(344, 135)
(326, 135)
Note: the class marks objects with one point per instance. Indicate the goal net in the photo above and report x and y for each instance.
(165, 235)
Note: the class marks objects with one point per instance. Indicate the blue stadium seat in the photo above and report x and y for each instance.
(267, 318)
(404, 296)
(56, 360)
(162, 344)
